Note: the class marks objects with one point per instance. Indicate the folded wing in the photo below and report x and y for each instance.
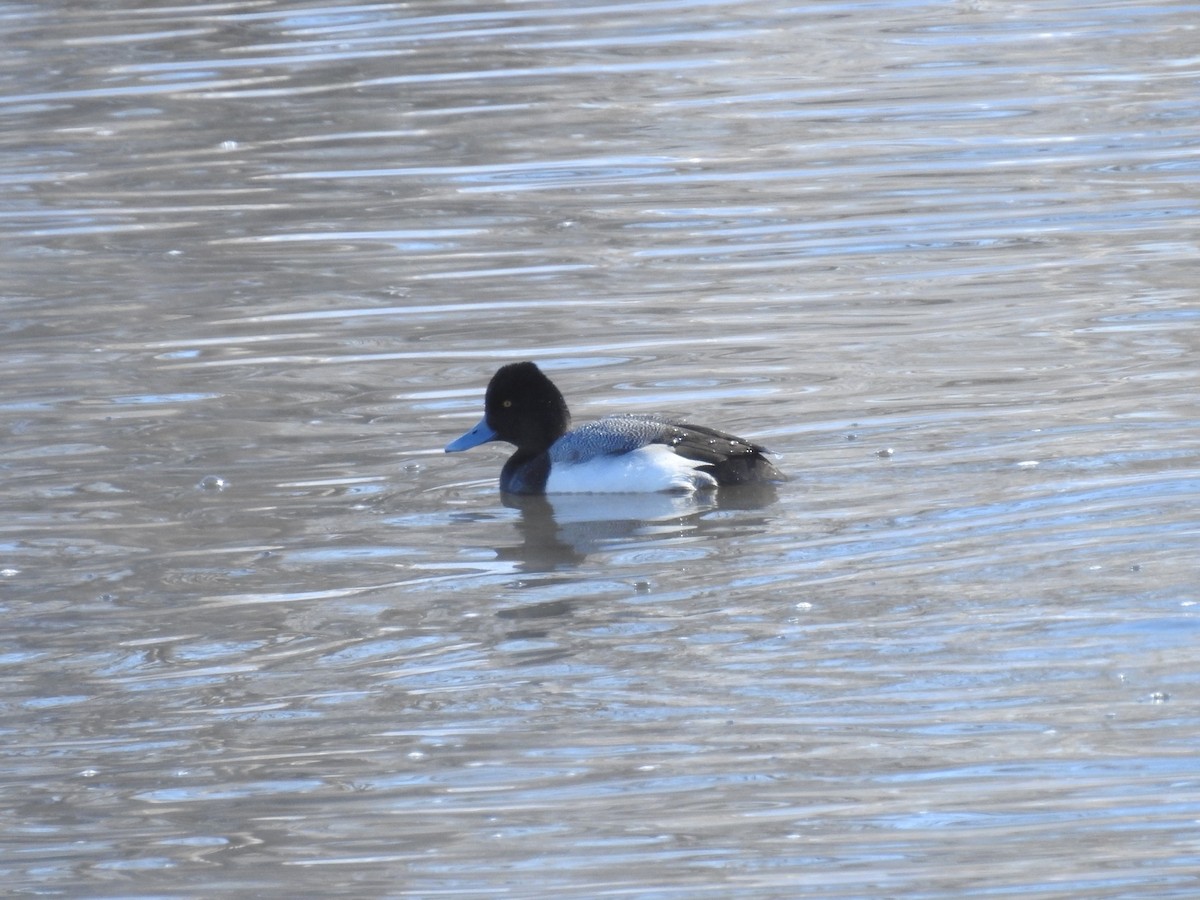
(728, 458)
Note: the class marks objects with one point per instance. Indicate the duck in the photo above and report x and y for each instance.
(624, 453)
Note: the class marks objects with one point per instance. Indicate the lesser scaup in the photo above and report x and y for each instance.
(616, 454)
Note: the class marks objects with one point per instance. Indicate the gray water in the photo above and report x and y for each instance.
(262, 637)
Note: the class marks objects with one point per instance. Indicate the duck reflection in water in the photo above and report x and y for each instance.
(561, 531)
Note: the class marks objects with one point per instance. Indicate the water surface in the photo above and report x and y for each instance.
(263, 637)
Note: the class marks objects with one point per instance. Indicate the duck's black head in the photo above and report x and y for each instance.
(524, 407)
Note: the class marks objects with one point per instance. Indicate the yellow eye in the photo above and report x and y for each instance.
(506, 404)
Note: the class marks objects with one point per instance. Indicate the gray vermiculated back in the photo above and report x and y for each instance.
(610, 435)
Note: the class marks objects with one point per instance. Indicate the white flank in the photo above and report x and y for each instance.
(648, 469)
